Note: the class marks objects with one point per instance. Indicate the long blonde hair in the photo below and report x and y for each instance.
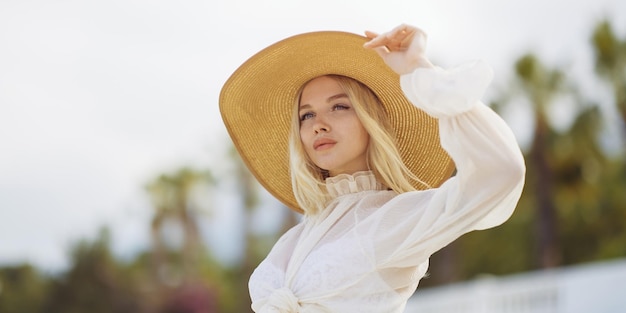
(383, 155)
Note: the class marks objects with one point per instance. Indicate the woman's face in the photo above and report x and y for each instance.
(331, 133)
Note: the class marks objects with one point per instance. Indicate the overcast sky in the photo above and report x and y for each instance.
(99, 97)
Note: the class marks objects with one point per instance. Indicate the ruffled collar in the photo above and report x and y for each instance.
(344, 184)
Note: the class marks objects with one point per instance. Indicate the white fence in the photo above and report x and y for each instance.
(593, 288)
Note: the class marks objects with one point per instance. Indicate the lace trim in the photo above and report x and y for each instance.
(344, 184)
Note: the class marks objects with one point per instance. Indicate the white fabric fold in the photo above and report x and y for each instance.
(453, 91)
(282, 300)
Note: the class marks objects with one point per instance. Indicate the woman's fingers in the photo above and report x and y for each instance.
(376, 40)
(370, 34)
(401, 48)
(398, 39)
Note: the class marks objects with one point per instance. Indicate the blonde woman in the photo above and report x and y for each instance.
(362, 135)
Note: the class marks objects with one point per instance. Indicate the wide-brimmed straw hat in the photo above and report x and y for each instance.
(256, 104)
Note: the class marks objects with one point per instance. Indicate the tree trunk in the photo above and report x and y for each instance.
(546, 224)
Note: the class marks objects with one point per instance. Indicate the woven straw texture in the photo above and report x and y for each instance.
(256, 104)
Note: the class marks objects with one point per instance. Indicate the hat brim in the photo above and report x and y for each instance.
(256, 104)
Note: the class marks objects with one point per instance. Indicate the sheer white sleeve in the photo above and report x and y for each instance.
(489, 178)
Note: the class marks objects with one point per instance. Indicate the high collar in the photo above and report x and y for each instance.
(344, 184)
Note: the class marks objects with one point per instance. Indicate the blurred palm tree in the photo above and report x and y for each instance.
(171, 197)
(541, 85)
(610, 54)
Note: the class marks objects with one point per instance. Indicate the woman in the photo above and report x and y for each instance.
(375, 132)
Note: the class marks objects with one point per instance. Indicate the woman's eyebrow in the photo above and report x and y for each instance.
(337, 96)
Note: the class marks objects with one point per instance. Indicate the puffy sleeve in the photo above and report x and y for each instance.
(489, 178)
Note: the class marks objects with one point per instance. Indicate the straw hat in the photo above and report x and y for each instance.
(257, 101)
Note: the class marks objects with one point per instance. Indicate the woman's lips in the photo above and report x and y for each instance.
(323, 144)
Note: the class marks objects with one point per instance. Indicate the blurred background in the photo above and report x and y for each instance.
(120, 190)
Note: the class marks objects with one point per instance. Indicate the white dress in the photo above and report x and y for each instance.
(367, 251)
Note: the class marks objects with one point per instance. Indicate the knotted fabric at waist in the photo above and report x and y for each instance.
(282, 301)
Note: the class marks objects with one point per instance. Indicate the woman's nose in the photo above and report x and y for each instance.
(321, 126)
(321, 129)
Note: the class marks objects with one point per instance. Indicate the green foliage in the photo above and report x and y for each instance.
(22, 289)
(94, 283)
(611, 64)
(609, 50)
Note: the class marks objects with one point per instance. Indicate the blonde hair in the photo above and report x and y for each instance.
(382, 153)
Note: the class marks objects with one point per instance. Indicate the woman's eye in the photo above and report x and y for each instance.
(340, 107)
(306, 116)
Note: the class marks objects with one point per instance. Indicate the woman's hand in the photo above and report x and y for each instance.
(402, 48)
